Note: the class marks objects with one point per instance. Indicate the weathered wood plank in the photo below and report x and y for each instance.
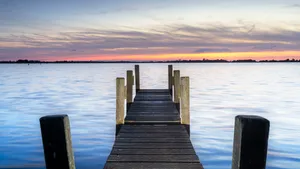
(153, 140)
(151, 113)
(152, 135)
(154, 158)
(154, 109)
(153, 145)
(183, 131)
(150, 99)
(153, 122)
(158, 127)
(153, 95)
(160, 151)
(152, 118)
(153, 90)
(116, 165)
(154, 102)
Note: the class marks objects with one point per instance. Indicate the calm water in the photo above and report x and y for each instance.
(86, 92)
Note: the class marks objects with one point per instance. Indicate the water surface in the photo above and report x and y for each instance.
(86, 92)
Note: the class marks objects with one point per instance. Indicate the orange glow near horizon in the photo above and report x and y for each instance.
(268, 55)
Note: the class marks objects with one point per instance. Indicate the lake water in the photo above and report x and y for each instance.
(86, 92)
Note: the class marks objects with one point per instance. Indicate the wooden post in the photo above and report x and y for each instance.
(129, 83)
(137, 77)
(120, 99)
(185, 102)
(170, 75)
(250, 143)
(177, 88)
(57, 142)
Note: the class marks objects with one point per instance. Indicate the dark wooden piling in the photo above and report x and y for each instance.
(57, 142)
(250, 145)
(137, 77)
(185, 103)
(129, 88)
(120, 99)
(177, 83)
(170, 78)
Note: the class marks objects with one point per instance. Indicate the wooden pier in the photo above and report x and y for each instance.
(154, 131)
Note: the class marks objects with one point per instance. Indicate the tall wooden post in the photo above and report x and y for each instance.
(57, 142)
(129, 84)
(170, 75)
(250, 143)
(137, 77)
(120, 99)
(185, 102)
(177, 89)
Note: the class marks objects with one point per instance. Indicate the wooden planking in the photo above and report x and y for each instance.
(152, 136)
(154, 158)
(152, 97)
(151, 127)
(166, 91)
(153, 122)
(154, 151)
(152, 131)
(153, 145)
(153, 140)
(152, 108)
(152, 118)
(153, 166)
(152, 113)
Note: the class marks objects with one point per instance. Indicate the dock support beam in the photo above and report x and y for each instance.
(177, 89)
(129, 84)
(57, 143)
(137, 77)
(250, 143)
(170, 75)
(185, 103)
(120, 99)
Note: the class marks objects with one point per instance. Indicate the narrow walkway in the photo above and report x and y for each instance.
(153, 136)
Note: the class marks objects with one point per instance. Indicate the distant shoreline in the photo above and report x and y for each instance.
(168, 61)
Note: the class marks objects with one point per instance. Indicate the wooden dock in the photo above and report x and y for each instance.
(154, 131)
(153, 136)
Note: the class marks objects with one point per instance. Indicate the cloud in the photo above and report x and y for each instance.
(204, 50)
(178, 38)
(265, 47)
(295, 6)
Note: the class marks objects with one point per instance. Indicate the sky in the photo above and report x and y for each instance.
(149, 30)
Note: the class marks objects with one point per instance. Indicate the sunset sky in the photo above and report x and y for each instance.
(149, 30)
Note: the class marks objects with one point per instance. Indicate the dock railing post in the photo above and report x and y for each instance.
(185, 102)
(170, 79)
(129, 84)
(250, 143)
(57, 143)
(137, 77)
(120, 99)
(177, 89)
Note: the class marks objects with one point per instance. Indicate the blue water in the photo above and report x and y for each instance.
(86, 92)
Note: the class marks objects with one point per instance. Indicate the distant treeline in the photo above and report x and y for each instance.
(168, 61)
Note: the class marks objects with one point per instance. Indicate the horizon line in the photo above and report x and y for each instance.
(146, 61)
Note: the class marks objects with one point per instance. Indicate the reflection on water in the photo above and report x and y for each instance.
(86, 92)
